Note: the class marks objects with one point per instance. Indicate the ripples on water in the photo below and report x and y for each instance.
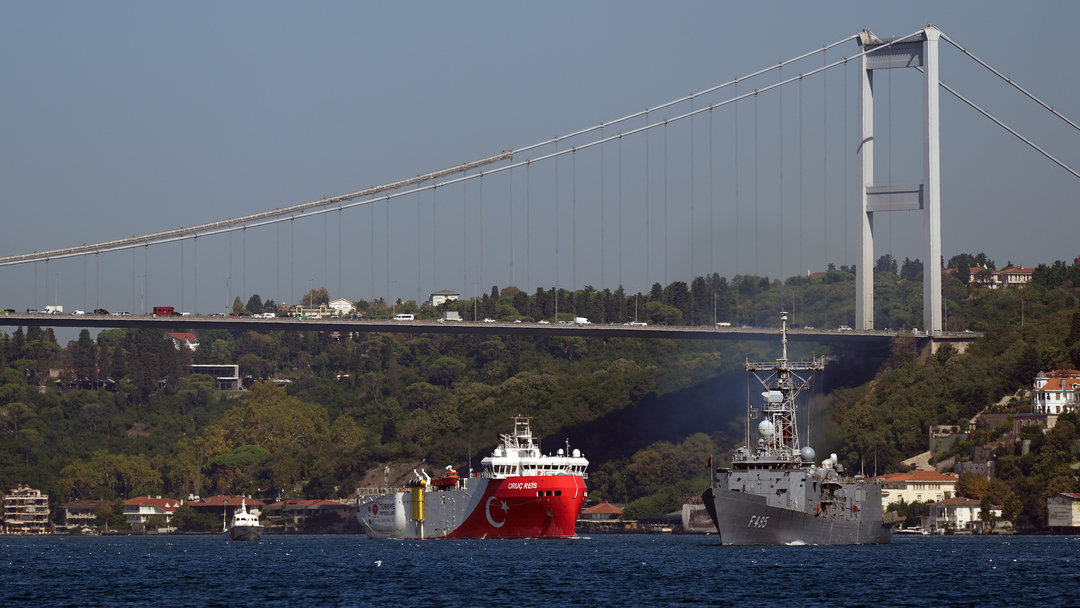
(618, 570)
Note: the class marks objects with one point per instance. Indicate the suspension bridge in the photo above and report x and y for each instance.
(781, 171)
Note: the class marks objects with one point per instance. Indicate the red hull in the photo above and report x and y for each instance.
(514, 507)
(526, 507)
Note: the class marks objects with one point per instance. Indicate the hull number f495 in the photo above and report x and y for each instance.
(758, 521)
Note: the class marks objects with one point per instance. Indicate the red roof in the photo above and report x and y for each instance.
(604, 508)
(959, 501)
(918, 476)
(182, 336)
(1061, 384)
(225, 501)
(299, 503)
(165, 504)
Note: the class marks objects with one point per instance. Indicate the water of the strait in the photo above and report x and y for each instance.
(616, 570)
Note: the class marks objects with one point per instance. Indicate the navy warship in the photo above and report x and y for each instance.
(774, 493)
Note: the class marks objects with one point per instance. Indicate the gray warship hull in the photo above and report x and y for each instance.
(747, 519)
(774, 492)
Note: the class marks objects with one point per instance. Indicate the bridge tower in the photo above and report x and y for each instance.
(919, 51)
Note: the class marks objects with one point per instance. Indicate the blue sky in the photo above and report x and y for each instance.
(125, 118)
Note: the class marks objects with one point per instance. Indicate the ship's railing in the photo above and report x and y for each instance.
(361, 492)
(806, 366)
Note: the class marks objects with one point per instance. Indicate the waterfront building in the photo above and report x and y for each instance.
(138, 511)
(1063, 511)
(959, 514)
(26, 511)
(78, 514)
(916, 486)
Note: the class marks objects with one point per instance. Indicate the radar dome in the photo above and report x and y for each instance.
(765, 428)
(808, 454)
(576, 453)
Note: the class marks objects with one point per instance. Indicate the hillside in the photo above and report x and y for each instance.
(647, 413)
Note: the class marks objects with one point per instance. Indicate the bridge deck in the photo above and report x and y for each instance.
(524, 328)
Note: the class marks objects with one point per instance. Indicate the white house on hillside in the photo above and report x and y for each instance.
(341, 307)
(444, 295)
(1055, 392)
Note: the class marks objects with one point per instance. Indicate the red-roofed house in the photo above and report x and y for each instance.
(1055, 392)
(1015, 276)
(138, 510)
(184, 339)
(220, 504)
(601, 512)
(916, 486)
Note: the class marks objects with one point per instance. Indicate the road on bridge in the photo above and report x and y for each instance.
(524, 328)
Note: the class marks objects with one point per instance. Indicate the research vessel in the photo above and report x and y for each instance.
(774, 492)
(519, 493)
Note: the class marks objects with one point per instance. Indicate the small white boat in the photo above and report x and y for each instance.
(245, 524)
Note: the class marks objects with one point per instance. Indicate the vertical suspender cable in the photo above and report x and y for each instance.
(340, 287)
(712, 201)
(620, 214)
(277, 267)
(692, 276)
(393, 296)
(371, 250)
(434, 247)
(182, 275)
(890, 140)
(802, 175)
(847, 186)
(326, 250)
(97, 280)
(573, 220)
(825, 157)
(243, 260)
(292, 257)
(195, 247)
(480, 229)
(465, 236)
(146, 277)
(664, 274)
(556, 161)
(510, 233)
(85, 297)
(738, 228)
(757, 187)
(419, 261)
(602, 203)
(780, 124)
(528, 224)
(647, 244)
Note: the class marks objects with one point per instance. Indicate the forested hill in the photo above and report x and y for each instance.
(120, 416)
